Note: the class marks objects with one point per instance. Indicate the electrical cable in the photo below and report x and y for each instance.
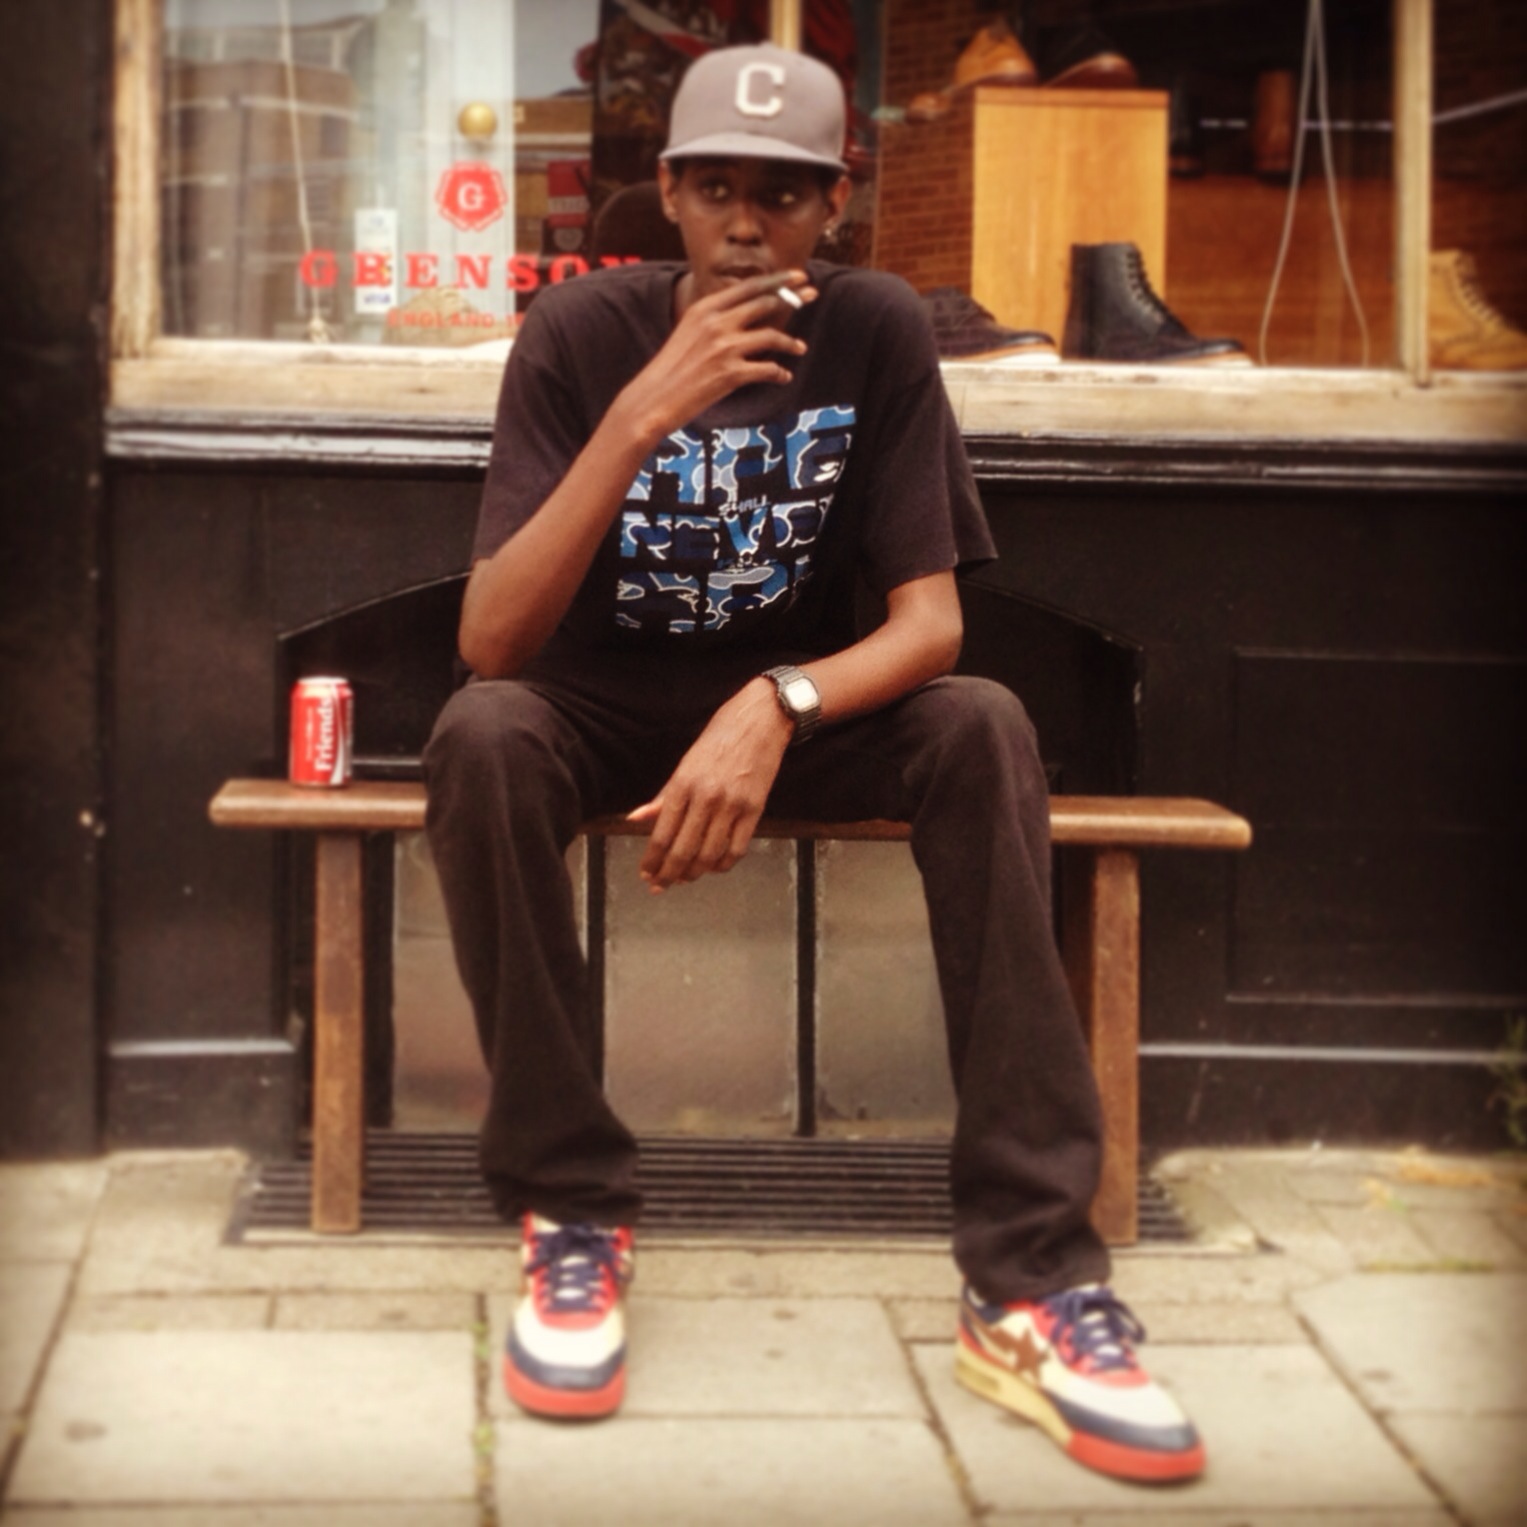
(1313, 69)
(318, 330)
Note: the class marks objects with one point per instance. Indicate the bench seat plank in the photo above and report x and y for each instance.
(1129, 821)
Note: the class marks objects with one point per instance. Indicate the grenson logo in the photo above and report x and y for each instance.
(471, 196)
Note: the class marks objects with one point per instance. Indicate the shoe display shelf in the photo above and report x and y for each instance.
(991, 197)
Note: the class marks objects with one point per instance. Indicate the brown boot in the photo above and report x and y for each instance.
(994, 57)
(1464, 332)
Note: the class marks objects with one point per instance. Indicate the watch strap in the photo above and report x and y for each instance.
(806, 721)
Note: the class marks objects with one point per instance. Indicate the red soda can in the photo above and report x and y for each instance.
(323, 732)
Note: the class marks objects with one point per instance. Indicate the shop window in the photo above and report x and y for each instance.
(373, 172)
(1477, 270)
(1205, 186)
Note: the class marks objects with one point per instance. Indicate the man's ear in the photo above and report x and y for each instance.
(667, 185)
(837, 197)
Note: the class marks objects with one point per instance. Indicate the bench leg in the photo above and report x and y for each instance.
(1101, 930)
(339, 1139)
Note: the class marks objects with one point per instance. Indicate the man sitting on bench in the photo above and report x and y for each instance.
(696, 467)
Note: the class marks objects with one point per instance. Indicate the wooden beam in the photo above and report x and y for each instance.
(339, 1036)
(398, 806)
(135, 302)
(1412, 183)
(785, 23)
(1101, 933)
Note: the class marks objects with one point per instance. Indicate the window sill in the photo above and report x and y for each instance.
(347, 404)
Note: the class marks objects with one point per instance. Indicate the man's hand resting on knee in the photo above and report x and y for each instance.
(703, 818)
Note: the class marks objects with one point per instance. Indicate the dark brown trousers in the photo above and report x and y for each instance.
(514, 768)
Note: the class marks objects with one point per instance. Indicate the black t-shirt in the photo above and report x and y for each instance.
(754, 522)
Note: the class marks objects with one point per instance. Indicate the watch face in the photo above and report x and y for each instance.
(801, 694)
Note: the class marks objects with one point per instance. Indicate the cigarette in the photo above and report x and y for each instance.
(790, 295)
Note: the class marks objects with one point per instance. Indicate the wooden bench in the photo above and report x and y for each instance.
(1100, 946)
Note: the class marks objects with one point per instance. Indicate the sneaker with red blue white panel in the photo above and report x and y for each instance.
(1067, 1364)
(566, 1350)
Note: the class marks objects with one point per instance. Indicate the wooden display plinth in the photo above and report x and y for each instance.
(992, 197)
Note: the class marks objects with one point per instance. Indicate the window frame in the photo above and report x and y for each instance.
(1405, 402)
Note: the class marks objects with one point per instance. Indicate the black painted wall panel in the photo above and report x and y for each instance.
(217, 576)
(1380, 906)
(193, 701)
(53, 80)
(1392, 821)
(1164, 642)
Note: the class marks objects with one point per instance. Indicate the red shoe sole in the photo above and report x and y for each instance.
(1135, 1463)
(570, 1404)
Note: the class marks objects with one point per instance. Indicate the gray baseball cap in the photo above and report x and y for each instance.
(758, 102)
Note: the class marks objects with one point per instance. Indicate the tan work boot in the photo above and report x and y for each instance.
(994, 56)
(1464, 331)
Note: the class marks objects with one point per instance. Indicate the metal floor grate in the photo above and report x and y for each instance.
(428, 1184)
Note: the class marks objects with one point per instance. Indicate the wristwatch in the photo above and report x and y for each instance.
(798, 698)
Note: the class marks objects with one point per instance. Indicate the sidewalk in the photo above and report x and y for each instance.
(1349, 1330)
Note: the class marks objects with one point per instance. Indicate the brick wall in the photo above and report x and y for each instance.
(923, 38)
(923, 226)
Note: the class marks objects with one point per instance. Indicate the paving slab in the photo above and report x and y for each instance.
(1512, 1223)
(161, 1225)
(374, 1514)
(752, 1357)
(170, 1312)
(180, 1417)
(1154, 1515)
(1255, 1187)
(159, 1220)
(32, 1296)
(1470, 1238)
(1427, 1342)
(1184, 1279)
(46, 1209)
(726, 1473)
(1427, 1181)
(399, 1311)
(1217, 1323)
(1381, 1236)
(797, 1270)
(1478, 1462)
(1353, 1186)
(443, 1266)
(1491, 1191)
(924, 1319)
(1283, 1433)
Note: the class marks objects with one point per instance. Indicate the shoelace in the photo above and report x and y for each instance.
(1134, 270)
(1466, 283)
(581, 1265)
(1095, 1324)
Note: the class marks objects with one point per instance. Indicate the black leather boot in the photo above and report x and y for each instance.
(1115, 316)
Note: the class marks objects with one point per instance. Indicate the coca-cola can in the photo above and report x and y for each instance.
(323, 732)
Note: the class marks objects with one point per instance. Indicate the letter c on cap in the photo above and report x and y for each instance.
(770, 105)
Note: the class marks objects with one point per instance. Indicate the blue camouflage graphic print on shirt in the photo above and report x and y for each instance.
(720, 524)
